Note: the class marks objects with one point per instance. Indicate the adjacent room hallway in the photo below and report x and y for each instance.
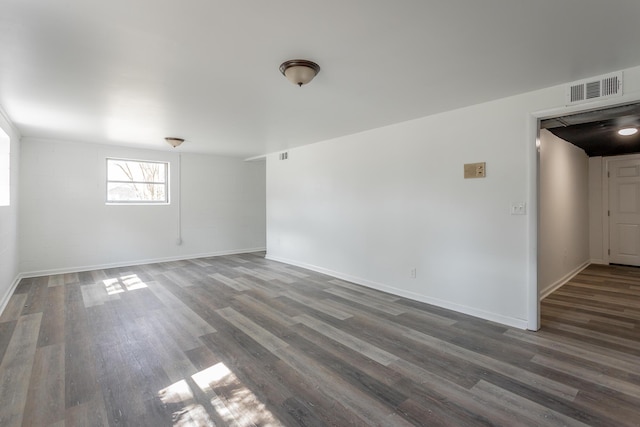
(239, 340)
(599, 307)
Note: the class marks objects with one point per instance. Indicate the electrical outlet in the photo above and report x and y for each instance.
(413, 273)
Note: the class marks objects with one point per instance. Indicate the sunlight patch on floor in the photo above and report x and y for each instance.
(234, 402)
(129, 282)
(190, 413)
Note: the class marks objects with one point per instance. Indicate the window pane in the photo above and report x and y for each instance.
(122, 192)
(137, 181)
(128, 170)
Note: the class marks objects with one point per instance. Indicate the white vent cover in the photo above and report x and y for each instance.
(284, 155)
(602, 87)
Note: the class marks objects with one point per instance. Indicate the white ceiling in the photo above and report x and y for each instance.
(130, 72)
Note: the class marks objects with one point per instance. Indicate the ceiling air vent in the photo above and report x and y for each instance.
(284, 155)
(607, 86)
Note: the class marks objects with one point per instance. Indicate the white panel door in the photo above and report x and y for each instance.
(624, 212)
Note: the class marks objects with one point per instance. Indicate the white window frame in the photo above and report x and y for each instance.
(166, 200)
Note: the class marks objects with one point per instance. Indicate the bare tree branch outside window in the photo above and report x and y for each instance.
(131, 181)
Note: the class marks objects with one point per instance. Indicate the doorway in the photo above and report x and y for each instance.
(591, 129)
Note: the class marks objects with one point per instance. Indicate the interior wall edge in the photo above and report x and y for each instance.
(494, 317)
(564, 220)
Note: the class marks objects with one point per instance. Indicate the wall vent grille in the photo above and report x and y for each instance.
(607, 86)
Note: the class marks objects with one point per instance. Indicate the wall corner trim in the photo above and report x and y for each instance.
(5, 117)
(137, 262)
(6, 297)
(559, 283)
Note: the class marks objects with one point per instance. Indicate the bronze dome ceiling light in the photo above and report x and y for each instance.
(299, 71)
(174, 142)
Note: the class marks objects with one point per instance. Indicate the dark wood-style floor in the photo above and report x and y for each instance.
(239, 340)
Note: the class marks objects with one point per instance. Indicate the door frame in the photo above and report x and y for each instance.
(606, 223)
(533, 197)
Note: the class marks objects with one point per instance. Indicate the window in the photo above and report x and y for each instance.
(5, 169)
(137, 182)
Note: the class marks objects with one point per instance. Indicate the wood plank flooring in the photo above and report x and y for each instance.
(242, 341)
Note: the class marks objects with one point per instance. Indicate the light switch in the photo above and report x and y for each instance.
(519, 208)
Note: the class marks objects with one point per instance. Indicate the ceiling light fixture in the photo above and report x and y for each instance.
(628, 131)
(174, 142)
(299, 71)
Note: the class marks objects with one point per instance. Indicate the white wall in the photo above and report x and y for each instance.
(563, 212)
(370, 207)
(9, 220)
(65, 224)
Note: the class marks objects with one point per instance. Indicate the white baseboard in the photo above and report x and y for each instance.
(599, 262)
(5, 298)
(566, 278)
(136, 262)
(509, 321)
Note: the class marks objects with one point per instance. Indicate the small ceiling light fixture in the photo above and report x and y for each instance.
(299, 71)
(174, 142)
(628, 131)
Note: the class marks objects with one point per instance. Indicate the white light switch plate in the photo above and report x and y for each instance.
(518, 208)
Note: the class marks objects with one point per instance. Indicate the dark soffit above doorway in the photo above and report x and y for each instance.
(596, 132)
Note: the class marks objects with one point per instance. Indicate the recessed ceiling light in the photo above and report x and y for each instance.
(628, 131)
